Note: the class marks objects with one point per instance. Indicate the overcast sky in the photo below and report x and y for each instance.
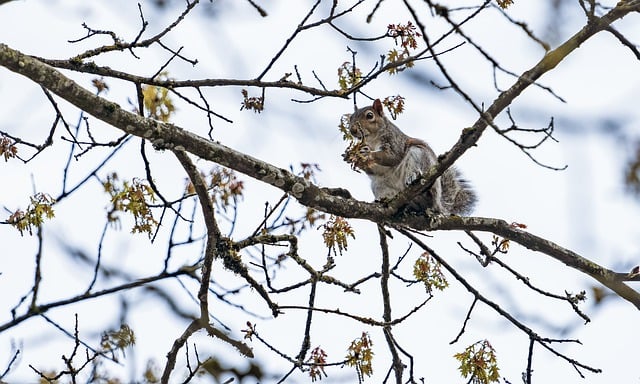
(584, 208)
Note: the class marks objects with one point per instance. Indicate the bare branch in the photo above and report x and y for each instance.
(477, 295)
(258, 8)
(168, 136)
(257, 265)
(471, 135)
(396, 363)
(118, 45)
(83, 297)
(632, 47)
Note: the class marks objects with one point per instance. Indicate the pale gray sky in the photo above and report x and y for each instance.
(583, 208)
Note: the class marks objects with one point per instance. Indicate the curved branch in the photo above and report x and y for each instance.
(545, 342)
(42, 308)
(551, 59)
(94, 69)
(606, 277)
(169, 136)
(213, 232)
(120, 46)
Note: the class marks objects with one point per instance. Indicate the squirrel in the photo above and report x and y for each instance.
(393, 161)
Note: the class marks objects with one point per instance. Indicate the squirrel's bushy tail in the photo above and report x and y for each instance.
(457, 194)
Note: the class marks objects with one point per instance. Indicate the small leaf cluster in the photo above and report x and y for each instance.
(582, 295)
(404, 37)
(249, 332)
(152, 372)
(360, 356)
(394, 104)
(40, 208)
(318, 360)
(255, 104)
(504, 3)
(428, 270)
(131, 197)
(355, 153)
(335, 234)
(478, 362)
(100, 85)
(309, 219)
(312, 216)
(501, 245)
(225, 186)
(118, 339)
(157, 102)
(343, 127)
(309, 170)
(48, 377)
(348, 76)
(7, 148)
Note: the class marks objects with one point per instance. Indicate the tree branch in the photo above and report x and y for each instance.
(169, 136)
(607, 277)
(92, 68)
(551, 59)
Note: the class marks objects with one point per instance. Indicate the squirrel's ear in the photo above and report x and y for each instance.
(377, 106)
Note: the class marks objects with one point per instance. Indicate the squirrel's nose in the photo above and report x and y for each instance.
(355, 130)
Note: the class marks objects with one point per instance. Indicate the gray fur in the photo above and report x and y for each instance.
(395, 160)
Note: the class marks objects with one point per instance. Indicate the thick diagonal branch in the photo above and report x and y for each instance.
(607, 277)
(168, 136)
(551, 59)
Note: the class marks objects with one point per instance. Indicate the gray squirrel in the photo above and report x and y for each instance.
(393, 160)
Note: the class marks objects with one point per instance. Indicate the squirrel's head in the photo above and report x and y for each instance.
(367, 121)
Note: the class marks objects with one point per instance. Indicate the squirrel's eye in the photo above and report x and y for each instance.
(369, 115)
